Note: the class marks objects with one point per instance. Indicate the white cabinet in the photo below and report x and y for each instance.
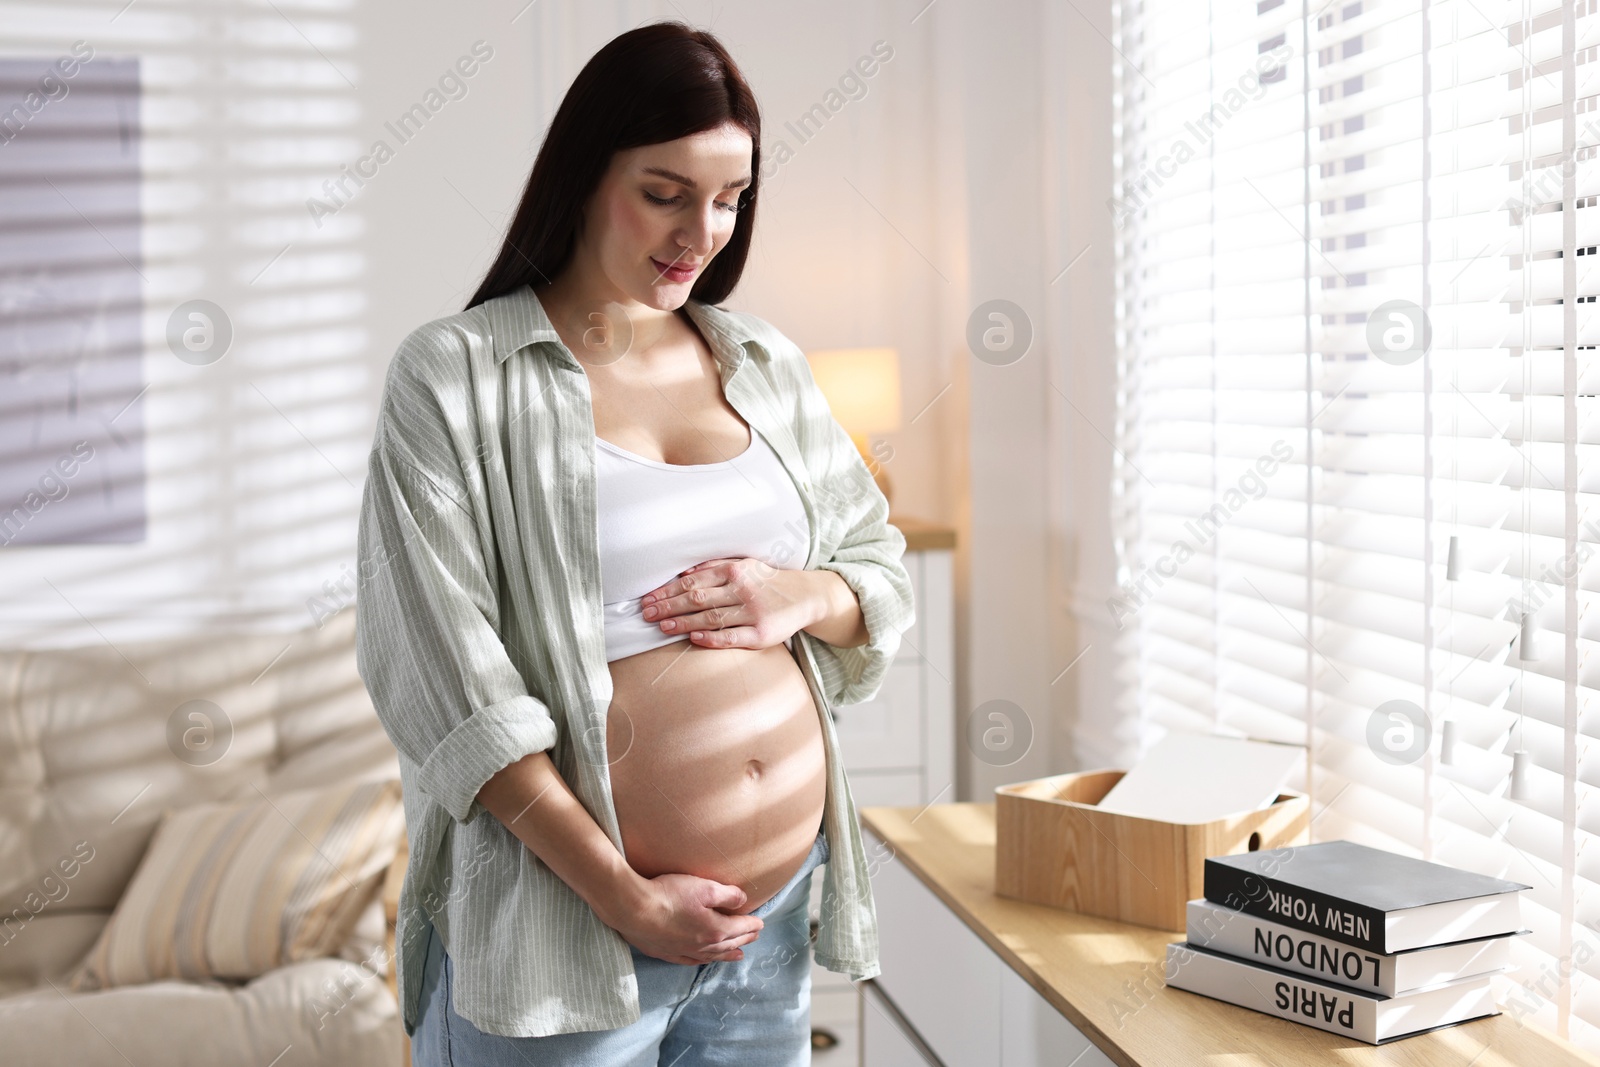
(886, 1038)
(1034, 1034)
(899, 747)
(898, 751)
(837, 1012)
(942, 977)
(885, 733)
(958, 996)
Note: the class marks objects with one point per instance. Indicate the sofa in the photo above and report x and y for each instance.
(94, 743)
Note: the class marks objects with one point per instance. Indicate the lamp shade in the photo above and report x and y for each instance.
(862, 386)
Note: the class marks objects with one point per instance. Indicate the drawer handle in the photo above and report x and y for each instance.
(821, 1039)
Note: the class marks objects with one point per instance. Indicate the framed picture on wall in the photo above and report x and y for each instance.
(72, 450)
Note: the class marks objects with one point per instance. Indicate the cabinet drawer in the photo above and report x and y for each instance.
(884, 1042)
(1034, 1034)
(959, 996)
(942, 977)
(838, 1013)
(885, 733)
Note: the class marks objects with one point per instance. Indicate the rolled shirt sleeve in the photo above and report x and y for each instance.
(428, 644)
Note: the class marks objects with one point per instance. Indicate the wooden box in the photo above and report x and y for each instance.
(1053, 846)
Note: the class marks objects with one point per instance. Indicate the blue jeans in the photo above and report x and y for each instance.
(754, 1012)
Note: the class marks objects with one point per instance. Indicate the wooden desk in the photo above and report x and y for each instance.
(1081, 965)
(922, 535)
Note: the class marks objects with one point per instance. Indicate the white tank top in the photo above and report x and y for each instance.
(658, 519)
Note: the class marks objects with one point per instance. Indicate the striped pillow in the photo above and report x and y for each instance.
(232, 891)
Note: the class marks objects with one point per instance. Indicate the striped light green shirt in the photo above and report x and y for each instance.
(481, 640)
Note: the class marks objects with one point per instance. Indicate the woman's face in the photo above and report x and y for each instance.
(662, 212)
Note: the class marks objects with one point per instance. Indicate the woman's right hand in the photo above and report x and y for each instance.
(682, 918)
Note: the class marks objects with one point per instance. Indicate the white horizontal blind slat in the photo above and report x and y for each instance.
(1285, 498)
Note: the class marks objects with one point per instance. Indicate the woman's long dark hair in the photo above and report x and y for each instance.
(656, 83)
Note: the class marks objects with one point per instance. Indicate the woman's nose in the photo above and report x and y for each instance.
(697, 236)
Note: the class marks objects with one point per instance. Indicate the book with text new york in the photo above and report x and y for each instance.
(1376, 900)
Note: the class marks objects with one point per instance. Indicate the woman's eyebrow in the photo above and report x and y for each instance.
(672, 175)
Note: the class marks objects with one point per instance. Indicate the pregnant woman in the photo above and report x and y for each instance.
(618, 565)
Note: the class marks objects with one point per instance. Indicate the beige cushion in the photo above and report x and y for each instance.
(87, 763)
(232, 891)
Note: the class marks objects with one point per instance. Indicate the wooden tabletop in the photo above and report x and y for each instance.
(1082, 965)
(921, 534)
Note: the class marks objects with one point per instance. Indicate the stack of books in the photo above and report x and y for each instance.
(1350, 939)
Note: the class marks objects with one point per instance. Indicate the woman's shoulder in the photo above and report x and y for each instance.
(428, 387)
(438, 352)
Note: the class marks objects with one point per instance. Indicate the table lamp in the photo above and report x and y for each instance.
(862, 386)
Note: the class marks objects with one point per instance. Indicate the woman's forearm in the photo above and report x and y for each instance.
(839, 620)
(535, 803)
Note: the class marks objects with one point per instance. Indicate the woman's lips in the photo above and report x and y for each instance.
(671, 273)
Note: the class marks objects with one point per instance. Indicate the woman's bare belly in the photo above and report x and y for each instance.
(717, 764)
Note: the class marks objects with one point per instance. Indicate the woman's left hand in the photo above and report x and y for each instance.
(735, 603)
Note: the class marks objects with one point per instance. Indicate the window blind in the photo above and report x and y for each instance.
(1357, 483)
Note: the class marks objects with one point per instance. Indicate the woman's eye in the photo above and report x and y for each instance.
(731, 208)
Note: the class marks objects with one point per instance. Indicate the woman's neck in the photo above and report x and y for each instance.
(601, 328)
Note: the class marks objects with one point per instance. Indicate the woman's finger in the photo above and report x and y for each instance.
(732, 637)
(732, 943)
(679, 583)
(683, 609)
(715, 617)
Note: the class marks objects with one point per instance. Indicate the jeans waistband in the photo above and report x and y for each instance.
(814, 859)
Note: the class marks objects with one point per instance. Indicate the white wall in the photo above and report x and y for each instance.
(255, 461)
(1037, 559)
(1082, 416)
(975, 166)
